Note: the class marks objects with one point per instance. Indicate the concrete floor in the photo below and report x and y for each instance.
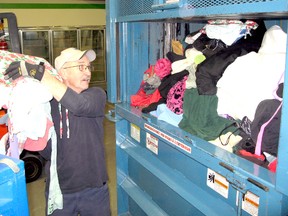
(35, 190)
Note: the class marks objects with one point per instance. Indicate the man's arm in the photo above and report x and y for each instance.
(55, 86)
(21, 68)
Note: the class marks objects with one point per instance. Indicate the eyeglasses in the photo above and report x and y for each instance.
(82, 67)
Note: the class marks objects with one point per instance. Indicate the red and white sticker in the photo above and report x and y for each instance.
(218, 183)
(168, 138)
(250, 203)
(152, 143)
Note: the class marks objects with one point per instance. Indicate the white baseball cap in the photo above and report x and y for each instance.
(73, 54)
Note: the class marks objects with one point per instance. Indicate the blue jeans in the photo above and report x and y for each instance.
(88, 202)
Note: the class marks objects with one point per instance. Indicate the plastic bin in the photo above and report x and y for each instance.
(13, 194)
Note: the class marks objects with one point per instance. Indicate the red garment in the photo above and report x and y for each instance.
(144, 100)
(273, 165)
(249, 154)
(141, 99)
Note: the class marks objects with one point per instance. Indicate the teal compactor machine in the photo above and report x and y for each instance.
(174, 176)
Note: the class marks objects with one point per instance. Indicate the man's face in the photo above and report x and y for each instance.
(77, 74)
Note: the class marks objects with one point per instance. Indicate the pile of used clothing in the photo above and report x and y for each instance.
(226, 73)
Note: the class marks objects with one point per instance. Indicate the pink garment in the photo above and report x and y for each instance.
(40, 144)
(162, 68)
(175, 96)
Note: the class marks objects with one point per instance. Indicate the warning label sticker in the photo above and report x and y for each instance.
(152, 143)
(250, 203)
(135, 132)
(168, 138)
(217, 182)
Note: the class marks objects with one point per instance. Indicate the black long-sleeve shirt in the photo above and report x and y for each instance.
(81, 157)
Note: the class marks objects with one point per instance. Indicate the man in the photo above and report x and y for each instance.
(77, 112)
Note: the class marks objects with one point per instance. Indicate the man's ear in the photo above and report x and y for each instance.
(63, 74)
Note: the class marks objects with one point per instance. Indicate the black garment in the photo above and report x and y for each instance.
(207, 45)
(173, 57)
(264, 112)
(169, 81)
(166, 84)
(80, 158)
(211, 70)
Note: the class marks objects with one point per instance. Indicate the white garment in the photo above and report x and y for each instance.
(191, 39)
(190, 63)
(3, 142)
(226, 33)
(26, 100)
(55, 196)
(232, 141)
(4, 92)
(28, 107)
(253, 77)
(183, 64)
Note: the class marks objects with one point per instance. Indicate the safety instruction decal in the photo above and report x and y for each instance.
(250, 203)
(168, 138)
(218, 183)
(152, 143)
(135, 132)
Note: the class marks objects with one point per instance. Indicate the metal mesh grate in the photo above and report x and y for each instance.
(191, 4)
(136, 7)
(133, 7)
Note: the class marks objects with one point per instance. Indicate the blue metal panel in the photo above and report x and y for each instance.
(174, 181)
(111, 53)
(282, 168)
(134, 46)
(121, 161)
(136, 36)
(13, 195)
(143, 10)
(176, 178)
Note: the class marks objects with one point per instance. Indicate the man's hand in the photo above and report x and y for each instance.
(21, 68)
